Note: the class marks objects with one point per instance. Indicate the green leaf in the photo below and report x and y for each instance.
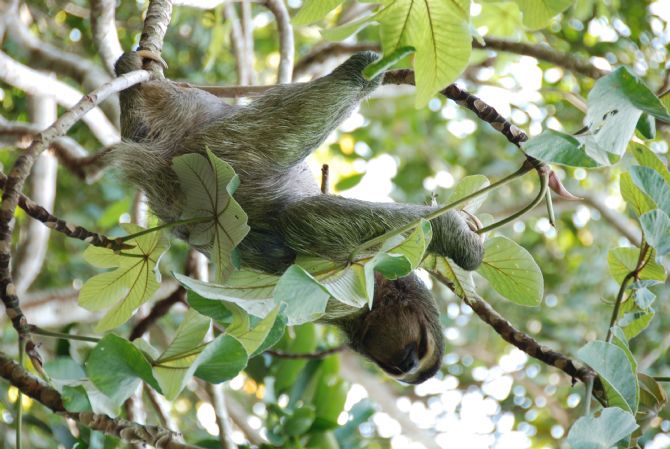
(300, 421)
(438, 30)
(251, 290)
(329, 398)
(647, 158)
(623, 260)
(221, 360)
(303, 295)
(349, 182)
(634, 197)
(633, 323)
(346, 284)
(652, 397)
(209, 183)
(538, 13)
(656, 227)
(412, 247)
(75, 399)
(502, 19)
(175, 367)
(254, 337)
(653, 184)
(313, 10)
(615, 371)
(214, 309)
(646, 126)
(615, 105)
(601, 430)
(512, 271)
(559, 148)
(116, 368)
(467, 186)
(275, 334)
(129, 286)
(380, 66)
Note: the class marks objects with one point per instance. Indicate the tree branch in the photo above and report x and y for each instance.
(105, 37)
(286, 44)
(42, 392)
(33, 247)
(35, 83)
(19, 173)
(237, 41)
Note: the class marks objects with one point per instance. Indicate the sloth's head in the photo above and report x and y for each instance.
(402, 332)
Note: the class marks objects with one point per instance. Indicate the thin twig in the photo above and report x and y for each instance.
(324, 178)
(248, 33)
(237, 41)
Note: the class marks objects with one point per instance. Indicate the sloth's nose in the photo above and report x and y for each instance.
(410, 359)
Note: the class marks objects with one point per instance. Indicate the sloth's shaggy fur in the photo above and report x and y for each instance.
(266, 142)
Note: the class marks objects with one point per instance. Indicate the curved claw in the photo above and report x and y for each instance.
(473, 222)
(150, 55)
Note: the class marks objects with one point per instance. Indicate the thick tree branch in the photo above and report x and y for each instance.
(156, 23)
(286, 44)
(105, 37)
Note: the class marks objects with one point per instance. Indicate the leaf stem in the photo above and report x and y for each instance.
(662, 378)
(187, 221)
(39, 331)
(544, 179)
(525, 168)
(642, 261)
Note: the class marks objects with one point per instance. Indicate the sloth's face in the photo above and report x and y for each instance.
(401, 333)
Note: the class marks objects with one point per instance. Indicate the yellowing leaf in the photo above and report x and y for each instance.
(129, 286)
(313, 10)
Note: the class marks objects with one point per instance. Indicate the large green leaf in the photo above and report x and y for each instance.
(512, 271)
(116, 368)
(653, 184)
(313, 10)
(538, 13)
(614, 106)
(647, 158)
(303, 295)
(623, 260)
(601, 430)
(438, 30)
(208, 184)
(221, 360)
(129, 286)
(251, 290)
(656, 227)
(634, 197)
(175, 367)
(559, 148)
(252, 338)
(615, 372)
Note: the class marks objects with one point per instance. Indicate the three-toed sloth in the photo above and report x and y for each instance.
(266, 142)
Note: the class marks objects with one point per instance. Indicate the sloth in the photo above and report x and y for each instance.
(266, 142)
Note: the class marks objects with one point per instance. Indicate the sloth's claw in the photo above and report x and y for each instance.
(150, 55)
(473, 222)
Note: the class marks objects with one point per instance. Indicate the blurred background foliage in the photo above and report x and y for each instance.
(488, 394)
